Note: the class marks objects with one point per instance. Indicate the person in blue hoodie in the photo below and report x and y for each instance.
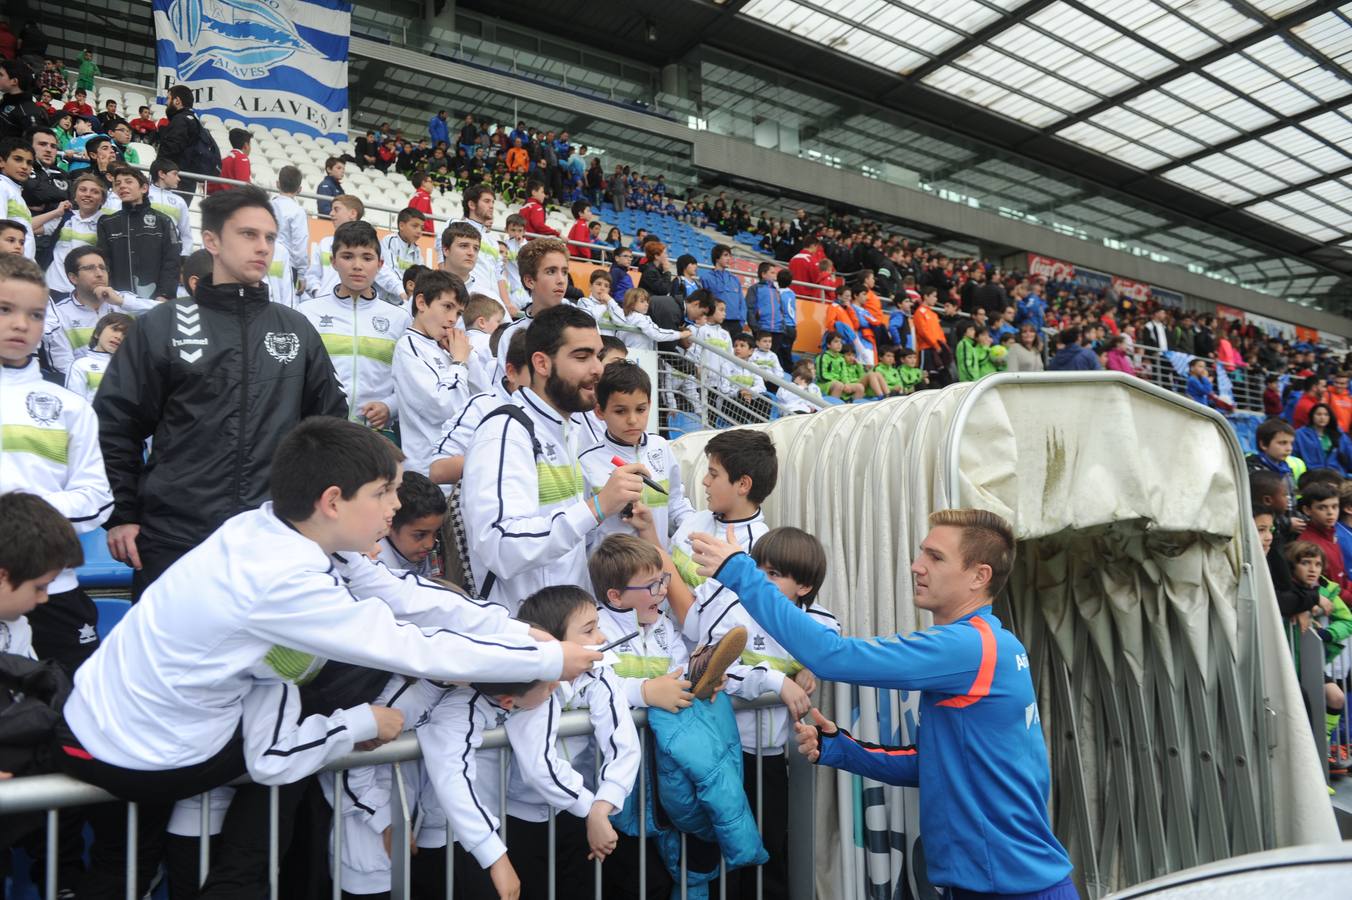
(1073, 356)
(1029, 305)
(1322, 444)
(983, 815)
(439, 129)
(770, 311)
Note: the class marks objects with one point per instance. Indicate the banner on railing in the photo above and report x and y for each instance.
(1272, 327)
(1166, 297)
(1050, 269)
(269, 63)
(1138, 291)
(1230, 312)
(1094, 280)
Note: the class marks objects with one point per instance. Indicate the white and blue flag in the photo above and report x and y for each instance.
(270, 63)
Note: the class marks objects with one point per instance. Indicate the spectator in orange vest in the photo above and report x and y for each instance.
(1340, 402)
(518, 160)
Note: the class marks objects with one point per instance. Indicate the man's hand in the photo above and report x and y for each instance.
(624, 486)
(105, 294)
(806, 680)
(376, 414)
(504, 879)
(457, 344)
(795, 698)
(389, 725)
(670, 692)
(709, 552)
(601, 835)
(122, 544)
(1298, 525)
(809, 744)
(576, 660)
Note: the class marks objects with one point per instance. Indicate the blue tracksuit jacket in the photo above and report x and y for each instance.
(979, 761)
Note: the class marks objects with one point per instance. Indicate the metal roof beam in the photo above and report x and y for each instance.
(976, 39)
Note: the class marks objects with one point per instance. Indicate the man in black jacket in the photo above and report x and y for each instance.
(140, 242)
(217, 379)
(48, 185)
(179, 137)
(18, 111)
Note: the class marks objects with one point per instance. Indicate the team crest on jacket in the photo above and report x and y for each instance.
(43, 408)
(148, 220)
(380, 323)
(281, 345)
(326, 321)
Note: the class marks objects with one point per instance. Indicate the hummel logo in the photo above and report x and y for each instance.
(191, 355)
(188, 330)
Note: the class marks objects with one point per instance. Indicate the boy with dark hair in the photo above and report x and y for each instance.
(431, 367)
(460, 245)
(525, 500)
(620, 281)
(331, 185)
(148, 722)
(51, 449)
(482, 317)
(399, 250)
(623, 398)
(422, 200)
(37, 545)
(890, 373)
(16, 164)
(179, 376)
(359, 332)
(140, 242)
(86, 373)
(723, 285)
(832, 370)
(412, 538)
(164, 198)
(580, 234)
(742, 388)
(534, 211)
(235, 165)
(598, 301)
(769, 309)
(478, 203)
(1320, 504)
(613, 349)
(1275, 440)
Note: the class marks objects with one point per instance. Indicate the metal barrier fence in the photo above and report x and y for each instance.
(1246, 382)
(53, 793)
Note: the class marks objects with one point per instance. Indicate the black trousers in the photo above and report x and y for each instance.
(774, 820)
(65, 628)
(733, 326)
(619, 875)
(156, 557)
(528, 848)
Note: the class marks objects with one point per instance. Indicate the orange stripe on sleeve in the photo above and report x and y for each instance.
(985, 674)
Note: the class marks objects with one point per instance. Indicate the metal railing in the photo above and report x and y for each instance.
(52, 793)
(1245, 382)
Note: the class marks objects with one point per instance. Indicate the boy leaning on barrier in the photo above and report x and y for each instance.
(184, 697)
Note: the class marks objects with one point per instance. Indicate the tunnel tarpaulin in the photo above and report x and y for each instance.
(1157, 654)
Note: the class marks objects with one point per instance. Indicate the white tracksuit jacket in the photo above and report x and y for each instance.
(86, 374)
(321, 278)
(79, 231)
(395, 259)
(709, 594)
(658, 649)
(669, 509)
(430, 388)
(762, 668)
(649, 334)
(173, 206)
(526, 520)
(49, 446)
(550, 772)
(70, 325)
(360, 336)
(171, 683)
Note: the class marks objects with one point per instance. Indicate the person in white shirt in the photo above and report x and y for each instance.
(635, 315)
(431, 377)
(411, 544)
(359, 331)
(320, 278)
(400, 249)
(49, 446)
(478, 203)
(185, 697)
(460, 248)
(86, 373)
(164, 196)
(526, 505)
(516, 239)
(293, 224)
(37, 544)
(482, 316)
(598, 302)
(78, 229)
(70, 321)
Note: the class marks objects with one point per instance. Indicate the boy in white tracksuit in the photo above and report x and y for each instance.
(281, 280)
(399, 250)
(360, 332)
(71, 320)
(623, 396)
(86, 373)
(164, 196)
(80, 230)
(431, 384)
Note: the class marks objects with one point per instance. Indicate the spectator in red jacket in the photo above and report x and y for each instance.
(236, 164)
(803, 268)
(1314, 395)
(144, 126)
(78, 107)
(422, 200)
(534, 211)
(581, 230)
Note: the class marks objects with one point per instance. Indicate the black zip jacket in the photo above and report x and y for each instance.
(218, 381)
(45, 189)
(142, 247)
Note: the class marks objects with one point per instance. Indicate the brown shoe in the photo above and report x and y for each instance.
(710, 662)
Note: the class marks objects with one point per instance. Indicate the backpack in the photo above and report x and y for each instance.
(202, 157)
(31, 696)
(511, 411)
(46, 243)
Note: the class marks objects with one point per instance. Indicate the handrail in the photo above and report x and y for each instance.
(34, 793)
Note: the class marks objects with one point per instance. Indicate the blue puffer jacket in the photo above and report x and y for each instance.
(699, 791)
(1309, 448)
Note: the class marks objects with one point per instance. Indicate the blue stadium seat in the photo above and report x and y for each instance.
(111, 610)
(100, 569)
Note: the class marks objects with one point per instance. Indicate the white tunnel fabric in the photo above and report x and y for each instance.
(1135, 557)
